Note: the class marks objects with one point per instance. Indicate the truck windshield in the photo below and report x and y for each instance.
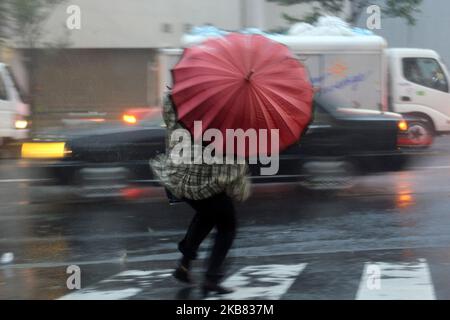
(425, 72)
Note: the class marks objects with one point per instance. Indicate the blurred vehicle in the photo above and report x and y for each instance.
(106, 160)
(14, 112)
(130, 116)
(362, 72)
(79, 119)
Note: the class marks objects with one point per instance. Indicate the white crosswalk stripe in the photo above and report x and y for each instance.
(396, 281)
(379, 281)
(124, 285)
(265, 282)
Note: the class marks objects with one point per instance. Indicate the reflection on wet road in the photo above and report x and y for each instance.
(291, 244)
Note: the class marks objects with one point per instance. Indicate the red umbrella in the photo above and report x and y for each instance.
(243, 82)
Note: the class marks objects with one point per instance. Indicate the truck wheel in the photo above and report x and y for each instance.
(420, 133)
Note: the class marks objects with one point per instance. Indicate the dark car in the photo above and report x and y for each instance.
(102, 161)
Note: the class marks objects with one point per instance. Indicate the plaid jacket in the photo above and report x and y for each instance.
(197, 181)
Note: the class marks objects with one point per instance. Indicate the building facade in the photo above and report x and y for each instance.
(109, 63)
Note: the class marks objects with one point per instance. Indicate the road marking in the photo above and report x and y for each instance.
(252, 282)
(124, 285)
(22, 180)
(102, 295)
(431, 168)
(397, 281)
(266, 282)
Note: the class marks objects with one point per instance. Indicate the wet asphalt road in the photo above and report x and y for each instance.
(291, 244)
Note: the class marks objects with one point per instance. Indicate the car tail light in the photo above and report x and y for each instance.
(129, 118)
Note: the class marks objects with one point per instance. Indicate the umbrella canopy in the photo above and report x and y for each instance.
(243, 82)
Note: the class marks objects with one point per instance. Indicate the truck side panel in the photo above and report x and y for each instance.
(357, 80)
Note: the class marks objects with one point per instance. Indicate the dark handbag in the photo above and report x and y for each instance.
(172, 199)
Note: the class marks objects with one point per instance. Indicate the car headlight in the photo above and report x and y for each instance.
(403, 126)
(129, 119)
(45, 150)
(21, 124)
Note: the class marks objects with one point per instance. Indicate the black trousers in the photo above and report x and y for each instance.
(219, 212)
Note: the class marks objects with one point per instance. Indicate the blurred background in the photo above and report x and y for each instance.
(109, 62)
(81, 88)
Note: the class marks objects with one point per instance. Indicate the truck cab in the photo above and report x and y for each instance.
(419, 90)
(14, 112)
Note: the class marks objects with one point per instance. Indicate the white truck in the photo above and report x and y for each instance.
(361, 72)
(14, 112)
(419, 89)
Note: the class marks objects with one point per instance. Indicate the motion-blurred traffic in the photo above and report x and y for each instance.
(80, 119)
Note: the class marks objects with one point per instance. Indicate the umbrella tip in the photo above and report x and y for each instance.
(250, 74)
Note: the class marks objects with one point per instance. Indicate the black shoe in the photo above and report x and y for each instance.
(215, 288)
(183, 275)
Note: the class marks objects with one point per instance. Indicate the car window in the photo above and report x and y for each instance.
(426, 72)
(3, 93)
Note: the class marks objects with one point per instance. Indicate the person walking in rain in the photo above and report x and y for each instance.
(232, 82)
(210, 190)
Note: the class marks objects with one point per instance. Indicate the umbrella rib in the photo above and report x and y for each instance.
(198, 58)
(226, 61)
(189, 83)
(223, 109)
(292, 106)
(267, 117)
(227, 53)
(208, 95)
(270, 102)
(211, 69)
